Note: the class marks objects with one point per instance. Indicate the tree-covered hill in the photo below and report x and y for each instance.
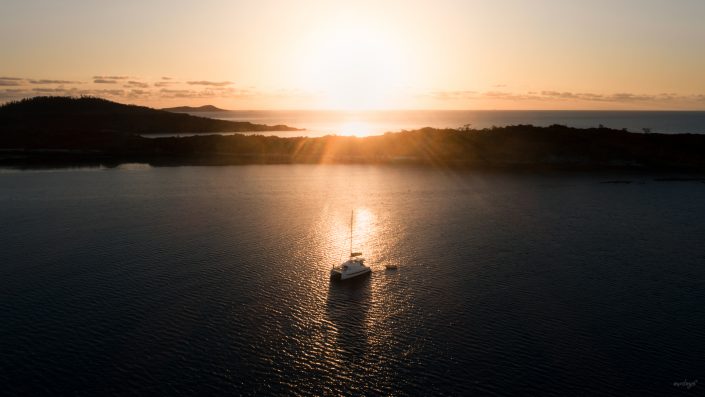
(90, 114)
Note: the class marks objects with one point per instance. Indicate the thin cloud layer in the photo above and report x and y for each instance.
(136, 84)
(211, 83)
(567, 96)
(154, 90)
(10, 81)
(205, 93)
(44, 81)
(51, 90)
(111, 77)
(162, 87)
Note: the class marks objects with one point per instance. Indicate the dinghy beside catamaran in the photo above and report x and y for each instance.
(354, 266)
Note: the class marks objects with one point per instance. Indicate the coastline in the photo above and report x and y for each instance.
(513, 148)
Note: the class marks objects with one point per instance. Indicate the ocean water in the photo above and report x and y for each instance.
(319, 123)
(215, 280)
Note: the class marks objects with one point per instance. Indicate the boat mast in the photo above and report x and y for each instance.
(351, 230)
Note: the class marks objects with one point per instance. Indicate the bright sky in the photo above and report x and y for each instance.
(440, 54)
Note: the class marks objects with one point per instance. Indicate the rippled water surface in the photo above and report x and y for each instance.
(195, 280)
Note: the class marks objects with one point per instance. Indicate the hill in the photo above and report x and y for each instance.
(93, 115)
(195, 109)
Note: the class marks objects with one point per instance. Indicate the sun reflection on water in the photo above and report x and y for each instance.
(356, 128)
(344, 326)
(364, 229)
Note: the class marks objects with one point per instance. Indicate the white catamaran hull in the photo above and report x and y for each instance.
(353, 267)
(344, 275)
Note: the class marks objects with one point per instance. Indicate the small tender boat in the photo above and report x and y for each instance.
(354, 266)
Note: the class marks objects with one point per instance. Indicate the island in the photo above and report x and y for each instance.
(89, 131)
(91, 115)
(195, 109)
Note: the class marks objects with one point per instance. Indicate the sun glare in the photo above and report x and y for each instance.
(355, 128)
(355, 68)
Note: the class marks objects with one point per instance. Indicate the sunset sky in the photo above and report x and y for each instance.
(441, 54)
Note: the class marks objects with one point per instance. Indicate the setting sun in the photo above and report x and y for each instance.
(355, 128)
(354, 67)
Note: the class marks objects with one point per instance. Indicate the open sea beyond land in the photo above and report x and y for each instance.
(318, 123)
(215, 280)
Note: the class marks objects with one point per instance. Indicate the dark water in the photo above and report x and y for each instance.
(377, 122)
(197, 280)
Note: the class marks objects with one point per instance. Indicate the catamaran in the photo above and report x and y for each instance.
(354, 266)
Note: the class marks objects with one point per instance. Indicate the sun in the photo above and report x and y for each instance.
(355, 67)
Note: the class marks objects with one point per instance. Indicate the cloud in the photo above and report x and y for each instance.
(111, 77)
(243, 93)
(103, 81)
(164, 83)
(9, 94)
(137, 84)
(622, 97)
(136, 90)
(211, 83)
(617, 97)
(452, 95)
(627, 97)
(205, 93)
(53, 90)
(10, 81)
(19, 93)
(509, 96)
(182, 93)
(166, 78)
(169, 93)
(114, 93)
(138, 94)
(44, 81)
(665, 100)
(59, 91)
(557, 94)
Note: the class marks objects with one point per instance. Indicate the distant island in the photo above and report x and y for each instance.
(195, 109)
(64, 131)
(90, 115)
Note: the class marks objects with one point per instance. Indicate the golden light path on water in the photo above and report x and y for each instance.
(356, 128)
(366, 330)
(341, 327)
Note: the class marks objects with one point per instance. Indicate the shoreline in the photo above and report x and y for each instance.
(514, 148)
(40, 160)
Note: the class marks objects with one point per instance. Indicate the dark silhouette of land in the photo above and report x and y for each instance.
(95, 115)
(48, 131)
(192, 109)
